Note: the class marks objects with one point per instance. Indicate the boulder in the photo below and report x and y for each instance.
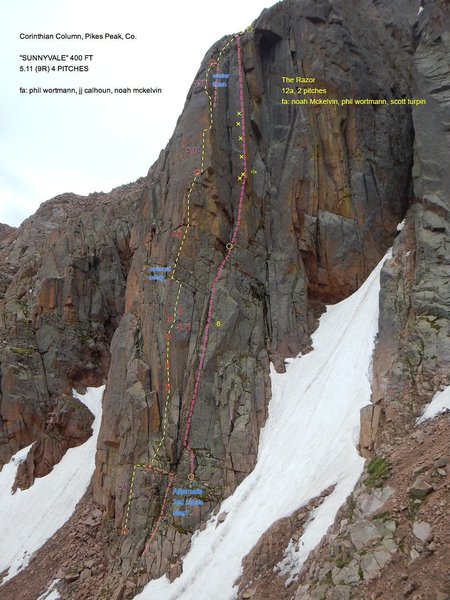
(420, 488)
(363, 533)
(423, 531)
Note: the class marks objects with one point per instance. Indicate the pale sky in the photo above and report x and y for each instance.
(82, 144)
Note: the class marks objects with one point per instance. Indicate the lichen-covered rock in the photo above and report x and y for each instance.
(68, 426)
(64, 272)
(412, 357)
(423, 531)
(327, 187)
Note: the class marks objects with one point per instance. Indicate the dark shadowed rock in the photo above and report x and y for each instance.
(329, 188)
(412, 357)
(64, 271)
(326, 188)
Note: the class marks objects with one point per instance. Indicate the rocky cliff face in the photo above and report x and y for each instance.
(324, 190)
(413, 353)
(63, 291)
(391, 538)
(180, 289)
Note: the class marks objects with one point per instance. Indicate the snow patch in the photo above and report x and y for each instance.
(51, 593)
(307, 445)
(439, 404)
(401, 225)
(30, 517)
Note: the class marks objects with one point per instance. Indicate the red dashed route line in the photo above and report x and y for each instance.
(147, 467)
(161, 514)
(242, 178)
(150, 466)
(230, 245)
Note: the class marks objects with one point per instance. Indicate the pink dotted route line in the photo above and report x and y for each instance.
(161, 514)
(223, 263)
(211, 303)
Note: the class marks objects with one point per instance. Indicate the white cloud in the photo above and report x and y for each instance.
(98, 142)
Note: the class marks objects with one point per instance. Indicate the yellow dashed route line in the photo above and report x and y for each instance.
(130, 495)
(198, 172)
(167, 371)
(185, 234)
(148, 467)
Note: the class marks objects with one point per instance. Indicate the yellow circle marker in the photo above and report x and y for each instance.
(229, 246)
(249, 29)
(197, 173)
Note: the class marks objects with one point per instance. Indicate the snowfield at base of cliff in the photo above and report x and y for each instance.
(35, 514)
(438, 405)
(307, 445)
